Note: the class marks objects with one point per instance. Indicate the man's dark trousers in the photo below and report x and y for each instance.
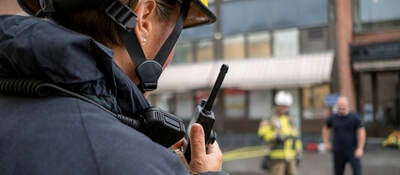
(341, 158)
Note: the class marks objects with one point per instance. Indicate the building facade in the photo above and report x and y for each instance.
(374, 54)
(269, 46)
(362, 35)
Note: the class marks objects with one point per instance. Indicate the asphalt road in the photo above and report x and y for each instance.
(376, 161)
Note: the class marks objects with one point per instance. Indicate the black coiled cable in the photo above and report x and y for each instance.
(24, 87)
(39, 88)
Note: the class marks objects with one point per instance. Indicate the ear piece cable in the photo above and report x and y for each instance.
(38, 88)
(160, 126)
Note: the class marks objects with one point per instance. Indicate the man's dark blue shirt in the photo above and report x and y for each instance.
(344, 132)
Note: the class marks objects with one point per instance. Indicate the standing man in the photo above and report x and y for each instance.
(281, 135)
(348, 137)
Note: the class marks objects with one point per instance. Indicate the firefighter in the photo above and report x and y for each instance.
(108, 53)
(282, 137)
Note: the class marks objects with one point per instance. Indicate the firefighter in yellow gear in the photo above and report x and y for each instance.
(393, 140)
(282, 137)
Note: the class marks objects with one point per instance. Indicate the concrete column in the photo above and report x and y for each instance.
(218, 47)
(344, 37)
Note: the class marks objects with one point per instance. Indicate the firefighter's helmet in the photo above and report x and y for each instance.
(283, 98)
(198, 13)
(192, 13)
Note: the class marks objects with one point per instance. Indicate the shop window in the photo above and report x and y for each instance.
(205, 51)
(234, 103)
(376, 15)
(259, 45)
(387, 93)
(286, 42)
(314, 106)
(260, 105)
(314, 40)
(387, 98)
(234, 47)
(184, 105)
(183, 53)
(367, 109)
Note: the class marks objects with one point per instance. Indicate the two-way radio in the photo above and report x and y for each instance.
(204, 114)
(162, 127)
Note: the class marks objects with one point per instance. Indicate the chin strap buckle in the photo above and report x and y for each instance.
(46, 8)
(122, 15)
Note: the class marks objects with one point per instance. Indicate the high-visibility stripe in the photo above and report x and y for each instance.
(282, 154)
(205, 2)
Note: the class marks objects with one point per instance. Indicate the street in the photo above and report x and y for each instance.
(376, 161)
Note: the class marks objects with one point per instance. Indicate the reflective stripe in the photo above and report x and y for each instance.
(282, 154)
(299, 145)
(205, 2)
(267, 133)
(285, 150)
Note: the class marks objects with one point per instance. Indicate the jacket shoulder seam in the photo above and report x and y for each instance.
(92, 151)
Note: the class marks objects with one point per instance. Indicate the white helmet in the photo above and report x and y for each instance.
(283, 98)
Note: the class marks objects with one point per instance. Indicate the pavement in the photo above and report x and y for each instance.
(376, 161)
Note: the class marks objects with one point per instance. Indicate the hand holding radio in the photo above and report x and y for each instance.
(203, 160)
(202, 153)
(205, 116)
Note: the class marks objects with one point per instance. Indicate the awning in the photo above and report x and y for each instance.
(255, 73)
(377, 65)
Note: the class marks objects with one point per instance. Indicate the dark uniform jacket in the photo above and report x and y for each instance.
(60, 134)
(345, 132)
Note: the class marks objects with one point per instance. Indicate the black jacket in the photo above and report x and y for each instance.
(59, 134)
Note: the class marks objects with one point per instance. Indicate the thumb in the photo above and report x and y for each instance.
(198, 148)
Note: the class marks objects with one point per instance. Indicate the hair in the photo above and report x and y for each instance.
(102, 28)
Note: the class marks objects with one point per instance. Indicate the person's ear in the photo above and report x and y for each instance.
(145, 11)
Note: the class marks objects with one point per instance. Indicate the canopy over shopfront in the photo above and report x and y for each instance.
(254, 73)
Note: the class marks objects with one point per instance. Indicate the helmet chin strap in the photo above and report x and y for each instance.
(149, 71)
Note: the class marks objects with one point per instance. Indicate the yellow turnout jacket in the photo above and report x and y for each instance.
(281, 136)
